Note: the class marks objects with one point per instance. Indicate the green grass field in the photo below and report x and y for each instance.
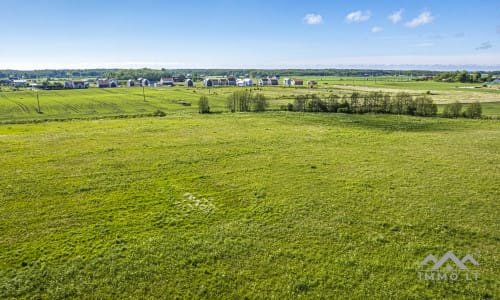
(21, 106)
(102, 201)
(266, 206)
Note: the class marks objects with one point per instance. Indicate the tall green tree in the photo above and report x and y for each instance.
(203, 105)
(474, 110)
(259, 102)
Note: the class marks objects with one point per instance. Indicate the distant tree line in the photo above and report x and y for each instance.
(154, 74)
(373, 102)
(463, 76)
(356, 103)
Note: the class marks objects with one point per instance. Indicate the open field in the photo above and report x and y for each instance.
(267, 206)
(19, 106)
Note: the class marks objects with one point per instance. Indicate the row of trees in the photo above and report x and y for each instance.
(463, 76)
(456, 110)
(374, 102)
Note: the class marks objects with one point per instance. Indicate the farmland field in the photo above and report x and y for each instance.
(273, 205)
(21, 106)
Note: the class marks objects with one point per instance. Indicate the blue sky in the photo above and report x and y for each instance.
(253, 34)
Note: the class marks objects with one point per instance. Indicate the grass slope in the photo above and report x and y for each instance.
(268, 206)
(21, 106)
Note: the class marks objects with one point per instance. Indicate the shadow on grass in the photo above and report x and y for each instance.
(400, 123)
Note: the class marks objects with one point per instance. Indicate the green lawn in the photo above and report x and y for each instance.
(266, 206)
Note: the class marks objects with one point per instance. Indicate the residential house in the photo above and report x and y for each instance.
(231, 81)
(297, 82)
(287, 82)
(130, 83)
(265, 81)
(244, 82)
(167, 81)
(207, 82)
(189, 83)
(273, 81)
(19, 83)
(106, 83)
(74, 85)
(143, 82)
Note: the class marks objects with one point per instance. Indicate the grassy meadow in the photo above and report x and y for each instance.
(273, 205)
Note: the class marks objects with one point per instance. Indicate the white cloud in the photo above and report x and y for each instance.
(358, 16)
(396, 16)
(377, 29)
(313, 19)
(424, 18)
(484, 46)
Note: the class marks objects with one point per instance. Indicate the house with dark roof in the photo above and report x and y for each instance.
(167, 81)
(106, 83)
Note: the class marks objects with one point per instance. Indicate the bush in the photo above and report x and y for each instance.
(159, 113)
(203, 106)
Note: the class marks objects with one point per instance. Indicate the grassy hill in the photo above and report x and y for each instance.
(22, 106)
(270, 206)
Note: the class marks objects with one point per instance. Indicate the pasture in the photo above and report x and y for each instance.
(105, 201)
(22, 106)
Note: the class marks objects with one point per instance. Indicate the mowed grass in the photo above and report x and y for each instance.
(265, 206)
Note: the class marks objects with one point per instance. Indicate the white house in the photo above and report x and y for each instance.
(19, 83)
(287, 82)
(130, 83)
(74, 85)
(106, 82)
(167, 81)
(244, 82)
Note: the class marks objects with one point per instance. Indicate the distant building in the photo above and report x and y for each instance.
(207, 82)
(130, 83)
(265, 81)
(74, 85)
(287, 82)
(495, 81)
(297, 82)
(312, 83)
(189, 83)
(274, 81)
(143, 81)
(223, 82)
(244, 82)
(106, 83)
(231, 81)
(19, 83)
(167, 81)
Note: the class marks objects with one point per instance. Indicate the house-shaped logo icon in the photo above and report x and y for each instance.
(449, 256)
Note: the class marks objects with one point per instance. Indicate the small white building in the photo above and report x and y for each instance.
(130, 83)
(106, 83)
(244, 82)
(167, 81)
(74, 85)
(287, 82)
(19, 83)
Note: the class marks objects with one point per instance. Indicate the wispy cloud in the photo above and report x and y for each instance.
(358, 16)
(377, 29)
(313, 19)
(484, 46)
(425, 45)
(396, 16)
(424, 18)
